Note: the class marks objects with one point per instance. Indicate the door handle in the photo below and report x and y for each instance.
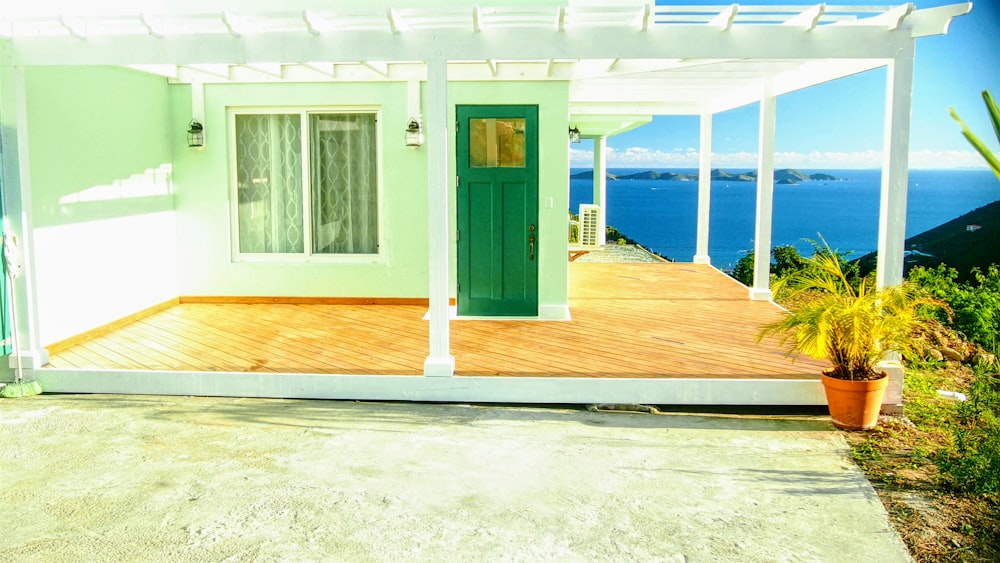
(531, 247)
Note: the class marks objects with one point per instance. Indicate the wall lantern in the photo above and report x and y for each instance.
(196, 135)
(574, 135)
(414, 136)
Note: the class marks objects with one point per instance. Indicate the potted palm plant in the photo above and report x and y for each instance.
(854, 326)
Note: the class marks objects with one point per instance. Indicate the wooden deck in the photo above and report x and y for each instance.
(665, 320)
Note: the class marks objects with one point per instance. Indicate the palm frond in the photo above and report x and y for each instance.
(852, 327)
(975, 141)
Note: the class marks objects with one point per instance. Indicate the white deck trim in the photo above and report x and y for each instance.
(577, 390)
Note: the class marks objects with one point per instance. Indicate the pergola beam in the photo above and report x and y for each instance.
(73, 27)
(152, 30)
(808, 19)
(232, 24)
(396, 23)
(724, 19)
(680, 42)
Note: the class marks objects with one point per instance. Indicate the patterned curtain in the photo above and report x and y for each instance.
(269, 183)
(342, 152)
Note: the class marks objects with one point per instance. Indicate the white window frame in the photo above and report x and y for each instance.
(306, 256)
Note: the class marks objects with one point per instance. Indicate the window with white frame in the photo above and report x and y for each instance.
(306, 183)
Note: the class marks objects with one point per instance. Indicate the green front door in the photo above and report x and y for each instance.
(497, 165)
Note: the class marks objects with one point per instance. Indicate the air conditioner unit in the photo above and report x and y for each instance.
(590, 219)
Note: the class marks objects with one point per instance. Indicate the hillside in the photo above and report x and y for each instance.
(954, 244)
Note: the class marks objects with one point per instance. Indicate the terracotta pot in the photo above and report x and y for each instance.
(854, 405)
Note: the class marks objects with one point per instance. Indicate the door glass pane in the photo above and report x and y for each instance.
(344, 181)
(269, 183)
(496, 143)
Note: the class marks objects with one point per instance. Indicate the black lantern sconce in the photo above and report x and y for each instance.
(574, 135)
(196, 135)
(414, 135)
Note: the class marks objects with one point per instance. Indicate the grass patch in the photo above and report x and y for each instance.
(907, 460)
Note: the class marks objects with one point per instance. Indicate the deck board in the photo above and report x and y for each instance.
(628, 320)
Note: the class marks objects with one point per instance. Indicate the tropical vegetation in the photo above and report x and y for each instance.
(851, 322)
(944, 451)
(980, 146)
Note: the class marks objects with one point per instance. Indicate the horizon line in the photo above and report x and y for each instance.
(877, 169)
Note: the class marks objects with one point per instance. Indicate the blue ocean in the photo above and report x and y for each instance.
(661, 214)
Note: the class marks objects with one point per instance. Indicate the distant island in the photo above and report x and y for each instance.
(787, 176)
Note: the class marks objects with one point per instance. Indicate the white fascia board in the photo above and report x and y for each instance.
(167, 71)
(514, 71)
(830, 71)
(734, 100)
(668, 42)
(607, 125)
(679, 107)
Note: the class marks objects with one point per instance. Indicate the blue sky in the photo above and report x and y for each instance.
(950, 70)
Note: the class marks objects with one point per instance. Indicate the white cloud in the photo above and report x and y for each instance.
(638, 157)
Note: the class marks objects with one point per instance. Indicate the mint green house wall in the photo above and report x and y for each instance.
(125, 216)
(203, 187)
(104, 226)
(202, 184)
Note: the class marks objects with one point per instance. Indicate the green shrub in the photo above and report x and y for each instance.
(976, 305)
(743, 271)
(786, 261)
(973, 464)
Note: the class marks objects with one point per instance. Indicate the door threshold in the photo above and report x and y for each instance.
(454, 316)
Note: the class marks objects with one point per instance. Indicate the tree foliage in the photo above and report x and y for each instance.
(976, 304)
(786, 260)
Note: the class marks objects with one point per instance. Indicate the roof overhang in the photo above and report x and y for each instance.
(625, 62)
(593, 125)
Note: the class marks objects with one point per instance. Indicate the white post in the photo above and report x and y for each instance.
(601, 186)
(704, 189)
(895, 174)
(440, 362)
(17, 208)
(761, 290)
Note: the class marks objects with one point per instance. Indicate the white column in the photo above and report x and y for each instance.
(440, 362)
(601, 186)
(704, 189)
(895, 173)
(17, 207)
(761, 290)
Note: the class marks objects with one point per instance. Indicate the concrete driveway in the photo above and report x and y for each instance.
(141, 478)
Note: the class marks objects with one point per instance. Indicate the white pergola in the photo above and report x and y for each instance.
(625, 62)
